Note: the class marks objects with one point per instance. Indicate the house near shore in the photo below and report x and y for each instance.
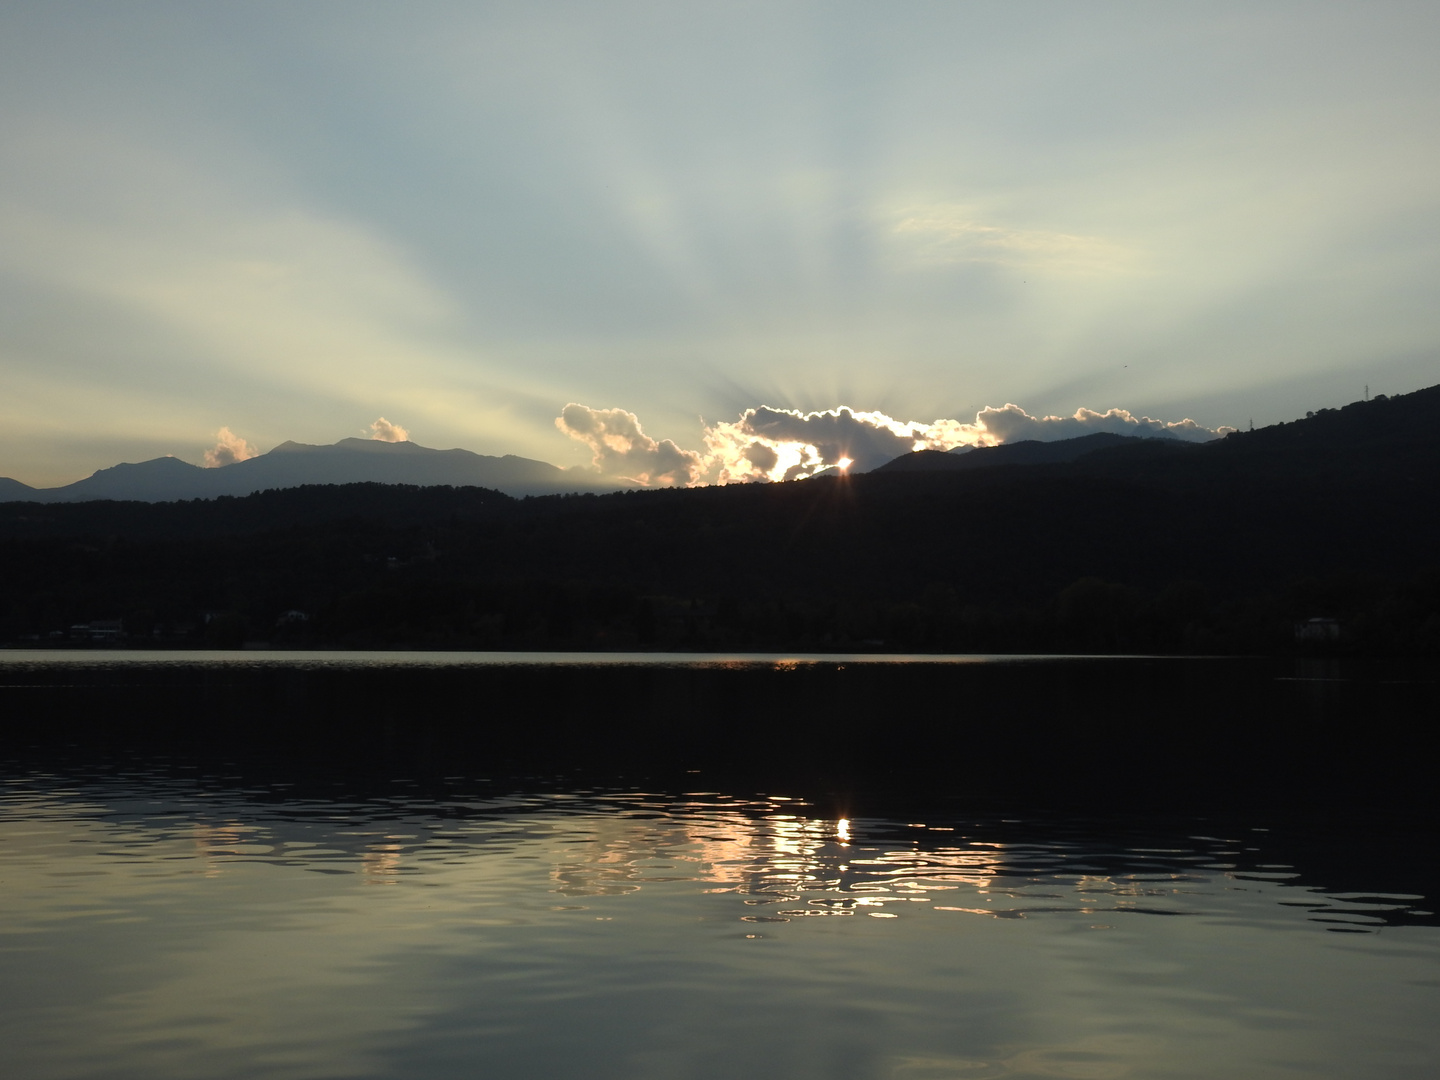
(1318, 629)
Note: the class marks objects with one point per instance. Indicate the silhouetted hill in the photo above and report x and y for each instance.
(1142, 546)
(1391, 439)
(291, 464)
(1026, 452)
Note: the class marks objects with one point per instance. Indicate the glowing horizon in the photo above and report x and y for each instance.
(287, 222)
(773, 445)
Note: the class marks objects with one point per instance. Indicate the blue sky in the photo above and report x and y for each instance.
(289, 219)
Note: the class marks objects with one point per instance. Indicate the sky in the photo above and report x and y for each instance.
(289, 221)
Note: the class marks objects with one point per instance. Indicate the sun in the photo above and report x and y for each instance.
(844, 463)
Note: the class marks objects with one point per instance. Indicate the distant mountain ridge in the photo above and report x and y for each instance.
(292, 464)
(1025, 452)
(13, 490)
(359, 461)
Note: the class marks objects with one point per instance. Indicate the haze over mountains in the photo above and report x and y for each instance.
(380, 461)
(359, 461)
(292, 464)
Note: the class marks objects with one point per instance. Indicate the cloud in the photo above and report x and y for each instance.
(622, 449)
(770, 444)
(1013, 424)
(229, 449)
(783, 444)
(383, 430)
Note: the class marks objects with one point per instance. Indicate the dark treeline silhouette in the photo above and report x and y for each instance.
(1152, 545)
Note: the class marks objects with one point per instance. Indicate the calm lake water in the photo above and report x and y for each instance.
(370, 867)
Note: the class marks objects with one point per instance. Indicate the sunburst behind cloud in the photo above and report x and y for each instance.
(767, 444)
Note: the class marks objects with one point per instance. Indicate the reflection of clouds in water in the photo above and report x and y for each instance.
(777, 862)
(766, 859)
(380, 861)
(795, 867)
(773, 859)
(217, 842)
(791, 866)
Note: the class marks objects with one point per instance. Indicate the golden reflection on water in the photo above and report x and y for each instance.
(776, 858)
(770, 860)
(380, 862)
(768, 857)
(216, 842)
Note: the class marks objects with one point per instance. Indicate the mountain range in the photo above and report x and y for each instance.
(358, 461)
(292, 464)
(1136, 545)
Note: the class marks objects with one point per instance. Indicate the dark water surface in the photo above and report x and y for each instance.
(421, 866)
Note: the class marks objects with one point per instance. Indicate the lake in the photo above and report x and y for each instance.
(434, 865)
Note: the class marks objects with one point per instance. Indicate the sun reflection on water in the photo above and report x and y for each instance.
(797, 866)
